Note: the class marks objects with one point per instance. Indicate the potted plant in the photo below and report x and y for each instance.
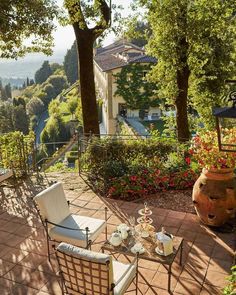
(214, 192)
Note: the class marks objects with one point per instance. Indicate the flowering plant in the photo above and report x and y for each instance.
(205, 150)
(148, 181)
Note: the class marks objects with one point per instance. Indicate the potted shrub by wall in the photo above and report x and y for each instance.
(214, 192)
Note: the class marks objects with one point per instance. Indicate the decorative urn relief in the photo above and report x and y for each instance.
(214, 196)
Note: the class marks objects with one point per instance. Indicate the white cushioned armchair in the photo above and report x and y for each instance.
(61, 225)
(86, 272)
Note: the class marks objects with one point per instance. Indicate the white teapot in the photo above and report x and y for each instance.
(115, 239)
(164, 243)
(123, 233)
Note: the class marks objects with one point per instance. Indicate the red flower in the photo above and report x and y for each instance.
(133, 178)
(188, 160)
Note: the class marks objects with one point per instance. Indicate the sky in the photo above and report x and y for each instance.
(63, 39)
(67, 33)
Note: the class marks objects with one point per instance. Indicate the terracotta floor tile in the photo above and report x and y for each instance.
(201, 249)
(156, 291)
(18, 273)
(5, 266)
(160, 211)
(33, 272)
(20, 289)
(142, 289)
(192, 272)
(4, 250)
(220, 252)
(36, 279)
(215, 278)
(13, 240)
(148, 264)
(192, 226)
(198, 260)
(114, 220)
(210, 290)
(3, 222)
(176, 214)
(187, 287)
(6, 286)
(191, 217)
(32, 260)
(146, 275)
(206, 239)
(86, 197)
(170, 221)
(6, 216)
(11, 227)
(160, 280)
(186, 234)
(26, 230)
(14, 255)
(219, 265)
(52, 286)
(4, 236)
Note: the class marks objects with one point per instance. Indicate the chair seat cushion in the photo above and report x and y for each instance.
(118, 271)
(77, 238)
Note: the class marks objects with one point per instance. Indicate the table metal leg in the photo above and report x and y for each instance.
(169, 278)
(181, 253)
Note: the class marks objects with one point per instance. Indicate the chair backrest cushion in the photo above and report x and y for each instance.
(52, 203)
(85, 271)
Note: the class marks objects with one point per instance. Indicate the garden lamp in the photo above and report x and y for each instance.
(226, 118)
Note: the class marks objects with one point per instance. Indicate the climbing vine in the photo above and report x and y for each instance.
(134, 87)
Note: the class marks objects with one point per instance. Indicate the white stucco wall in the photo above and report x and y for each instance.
(104, 90)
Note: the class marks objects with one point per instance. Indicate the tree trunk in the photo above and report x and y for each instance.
(181, 104)
(85, 40)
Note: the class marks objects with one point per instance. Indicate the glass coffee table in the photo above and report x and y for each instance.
(150, 254)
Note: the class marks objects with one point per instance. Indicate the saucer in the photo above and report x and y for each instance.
(123, 226)
(136, 250)
(144, 234)
(159, 252)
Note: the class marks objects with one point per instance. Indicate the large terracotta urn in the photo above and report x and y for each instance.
(214, 196)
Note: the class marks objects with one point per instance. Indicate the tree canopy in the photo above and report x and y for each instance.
(194, 43)
(26, 19)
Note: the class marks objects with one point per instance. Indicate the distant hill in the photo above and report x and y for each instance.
(16, 71)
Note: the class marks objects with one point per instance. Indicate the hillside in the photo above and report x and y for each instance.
(14, 71)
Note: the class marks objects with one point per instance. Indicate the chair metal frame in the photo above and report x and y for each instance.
(76, 261)
(46, 224)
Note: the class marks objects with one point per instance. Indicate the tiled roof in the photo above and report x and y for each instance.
(117, 55)
(144, 58)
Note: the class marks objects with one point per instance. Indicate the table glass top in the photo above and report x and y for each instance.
(149, 244)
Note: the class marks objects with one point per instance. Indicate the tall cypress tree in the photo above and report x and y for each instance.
(71, 64)
(43, 73)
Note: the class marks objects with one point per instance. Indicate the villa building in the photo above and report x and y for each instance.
(108, 62)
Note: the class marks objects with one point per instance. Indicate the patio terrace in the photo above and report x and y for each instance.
(207, 256)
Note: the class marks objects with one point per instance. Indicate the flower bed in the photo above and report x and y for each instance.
(132, 169)
(149, 182)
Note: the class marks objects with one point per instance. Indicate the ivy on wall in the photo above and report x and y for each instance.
(135, 89)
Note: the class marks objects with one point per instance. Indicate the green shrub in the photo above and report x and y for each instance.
(230, 289)
(132, 168)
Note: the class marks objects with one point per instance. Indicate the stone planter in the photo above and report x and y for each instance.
(214, 196)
